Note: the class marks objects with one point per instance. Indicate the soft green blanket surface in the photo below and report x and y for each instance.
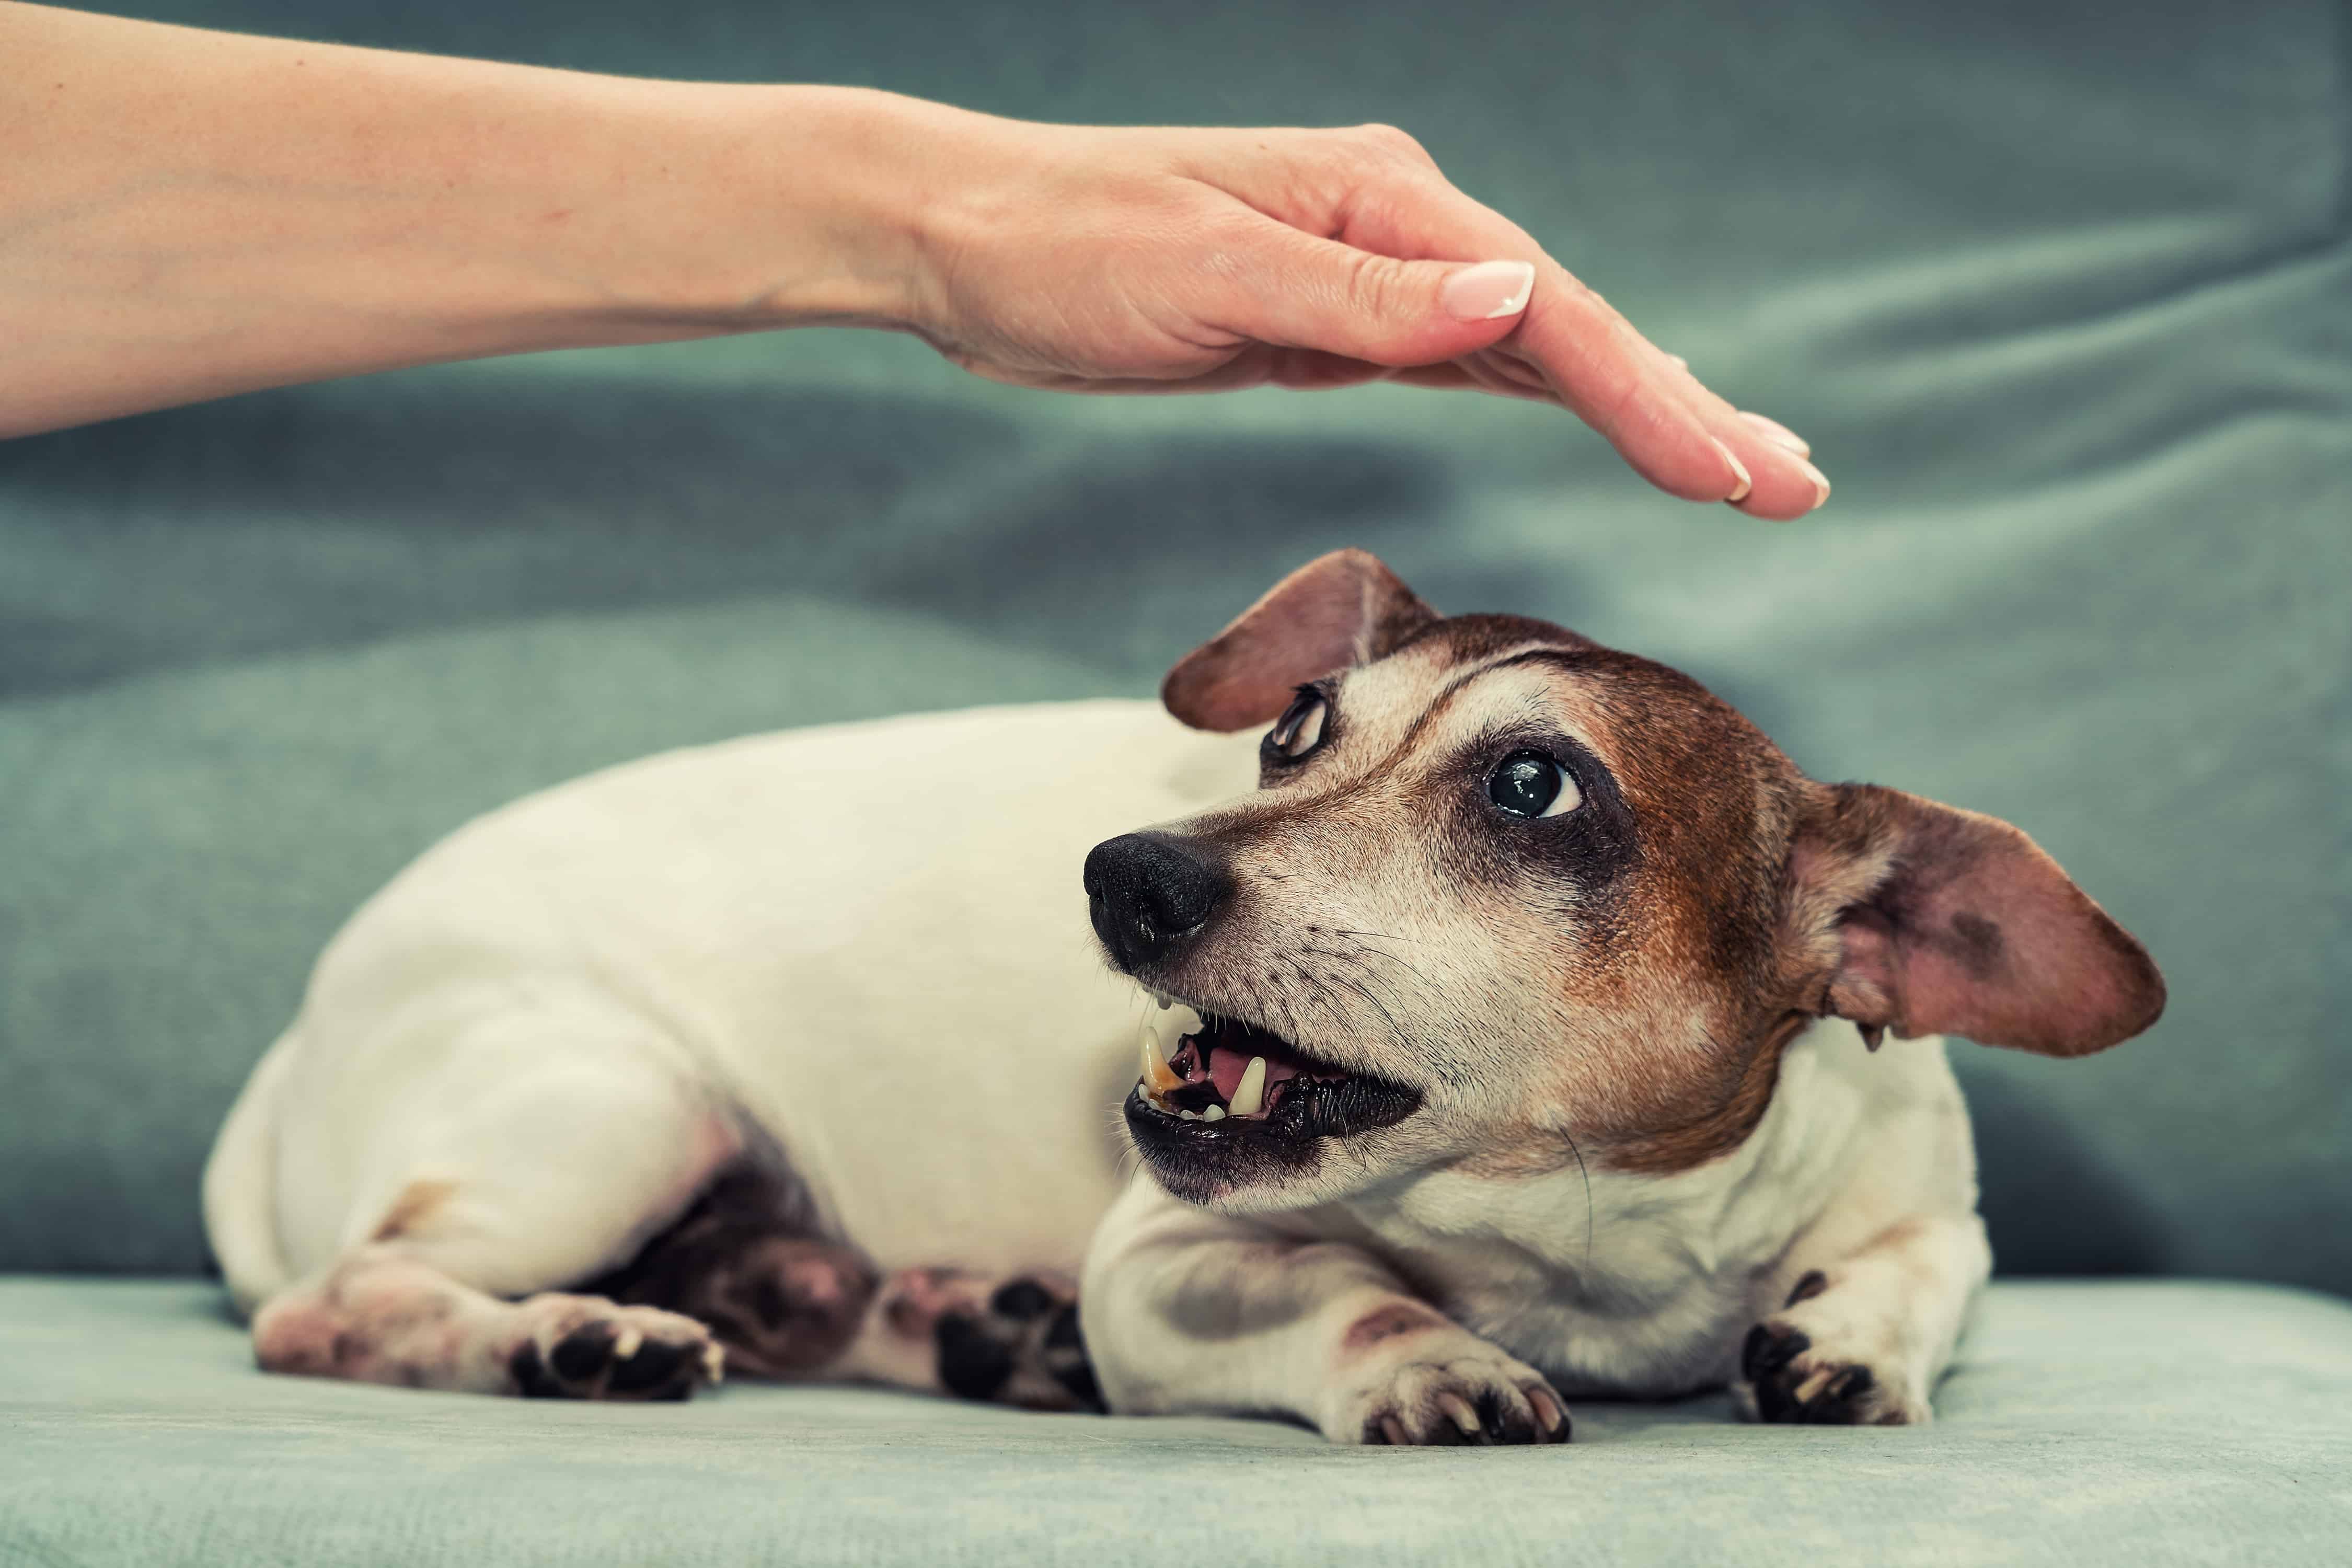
(2141, 1424)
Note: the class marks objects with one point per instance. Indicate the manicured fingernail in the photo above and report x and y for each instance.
(1820, 482)
(1489, 291)
(1746, 484)
(1779, 434)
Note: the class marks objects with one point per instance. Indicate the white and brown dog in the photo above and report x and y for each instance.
(1517, 1037)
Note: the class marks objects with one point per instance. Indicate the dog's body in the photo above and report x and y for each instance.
(800, 1042)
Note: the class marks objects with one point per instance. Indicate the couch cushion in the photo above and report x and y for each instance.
(2141, 1424)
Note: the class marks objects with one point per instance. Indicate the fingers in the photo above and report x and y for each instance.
(1292, 290)
(1786, 483)
(1382, 199)
(1611, 378)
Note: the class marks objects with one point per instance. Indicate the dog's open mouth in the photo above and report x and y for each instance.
(1226, 1078)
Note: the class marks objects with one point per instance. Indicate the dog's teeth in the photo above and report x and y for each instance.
(1214, 1113)
(1187, 1116)
(1158, 1076)
(1249, 1095)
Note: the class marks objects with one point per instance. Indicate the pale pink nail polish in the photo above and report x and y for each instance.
(1489, 291)
(1820, 482)
(1777, 434)
(1739, 467)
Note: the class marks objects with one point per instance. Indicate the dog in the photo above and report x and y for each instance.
(1509, 1022)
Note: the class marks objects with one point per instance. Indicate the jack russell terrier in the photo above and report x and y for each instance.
(1520, 1035)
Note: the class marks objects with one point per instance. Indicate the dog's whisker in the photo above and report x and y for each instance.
(1586, 1176)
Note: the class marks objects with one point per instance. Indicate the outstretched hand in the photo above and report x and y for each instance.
(194, 213)
(1084, 260)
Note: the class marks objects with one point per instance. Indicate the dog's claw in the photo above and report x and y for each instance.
(1458, 1409)
(1549, 1415)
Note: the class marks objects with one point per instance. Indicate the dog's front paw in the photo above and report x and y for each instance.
(1824, 1362)
(586, 1347)
(1411, 1378)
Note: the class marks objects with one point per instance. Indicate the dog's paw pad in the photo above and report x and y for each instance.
(583, 1347)
(1792, 1382)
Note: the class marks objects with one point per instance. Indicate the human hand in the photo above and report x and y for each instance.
(1112, 259)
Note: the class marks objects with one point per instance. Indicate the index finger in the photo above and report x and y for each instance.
(1661, 419)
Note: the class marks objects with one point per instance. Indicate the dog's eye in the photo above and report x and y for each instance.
(1300, 729)
(1530, 783)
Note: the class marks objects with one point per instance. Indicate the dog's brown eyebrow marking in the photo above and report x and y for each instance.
(1387, 1322)
(1444, 698)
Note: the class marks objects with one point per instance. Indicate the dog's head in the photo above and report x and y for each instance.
(1505, 898)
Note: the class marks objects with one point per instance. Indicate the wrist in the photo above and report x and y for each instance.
(780, 207)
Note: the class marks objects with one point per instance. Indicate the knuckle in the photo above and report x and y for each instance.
(1390, 140)
(1375, 284)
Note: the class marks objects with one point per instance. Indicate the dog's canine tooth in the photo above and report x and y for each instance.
(1214, 1113)
(1249, 1095)
(1158, 1077)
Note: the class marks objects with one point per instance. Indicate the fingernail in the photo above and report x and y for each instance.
(1489, 291)
(1779, 434)
(1820, 482)
(1746, 484)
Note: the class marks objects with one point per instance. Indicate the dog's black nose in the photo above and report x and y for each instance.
(1146, 893)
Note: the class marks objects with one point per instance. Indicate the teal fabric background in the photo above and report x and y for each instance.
(2154, 1425)
(2063, 296)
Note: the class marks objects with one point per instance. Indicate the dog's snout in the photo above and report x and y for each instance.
(1146, 893)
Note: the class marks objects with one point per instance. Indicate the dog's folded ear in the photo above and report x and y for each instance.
(1341, 609)
(1923, 919)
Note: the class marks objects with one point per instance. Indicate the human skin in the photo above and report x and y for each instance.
(186, 214)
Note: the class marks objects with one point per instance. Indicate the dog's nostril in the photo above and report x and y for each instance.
(1145, 891)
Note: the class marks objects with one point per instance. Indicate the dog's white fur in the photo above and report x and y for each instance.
(862, 947)
(819, 933)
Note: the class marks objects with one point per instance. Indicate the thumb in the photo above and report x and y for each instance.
(1295, 290)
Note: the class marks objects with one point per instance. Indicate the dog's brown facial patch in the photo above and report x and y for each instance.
(1596, 976)
(1397, 1317)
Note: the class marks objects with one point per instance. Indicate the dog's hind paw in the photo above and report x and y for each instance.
(586, 1347)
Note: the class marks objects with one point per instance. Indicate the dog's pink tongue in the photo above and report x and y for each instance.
(1226, 1067)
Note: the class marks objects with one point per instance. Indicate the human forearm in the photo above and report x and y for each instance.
(186, 214)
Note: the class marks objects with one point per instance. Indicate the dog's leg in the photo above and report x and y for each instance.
(545, 1147)
(381, 1316)
(1013, 1340)
(789, 1303)
(1188, 1311)
(1862, 1339)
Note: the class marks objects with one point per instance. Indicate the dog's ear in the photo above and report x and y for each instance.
(1341, 609)
(1923, 919)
